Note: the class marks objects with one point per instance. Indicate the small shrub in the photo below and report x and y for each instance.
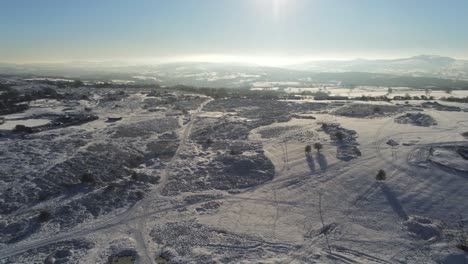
(381, 175)
(134, 176)
(140, 195)
(111, 188)
(465, 134)
(209, 142)
(42, 196)
(235, 151)
(44, 216)
(308, 149)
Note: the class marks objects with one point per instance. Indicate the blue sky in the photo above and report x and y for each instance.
(66, 30)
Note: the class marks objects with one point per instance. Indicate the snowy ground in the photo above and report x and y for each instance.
(378, 91)
(229, 181)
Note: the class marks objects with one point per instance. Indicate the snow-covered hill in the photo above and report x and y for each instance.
(422, 65)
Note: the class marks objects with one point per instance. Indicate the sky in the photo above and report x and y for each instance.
(267, 31)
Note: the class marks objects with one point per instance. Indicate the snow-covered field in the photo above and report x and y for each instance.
(373, 91)
(190, 179)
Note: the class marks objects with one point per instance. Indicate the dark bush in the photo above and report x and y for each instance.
(339, 135)
(463, 247)
(235, 151)
(44, 216)
(381, 175)
(77, 83)
(22, 129)
(134, 176)
(88, 178)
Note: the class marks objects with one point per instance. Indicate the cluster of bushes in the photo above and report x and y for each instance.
(396, 98)
(454, 99)
(12, 101)
(232, 93)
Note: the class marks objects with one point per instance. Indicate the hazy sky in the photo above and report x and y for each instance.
(268, 30)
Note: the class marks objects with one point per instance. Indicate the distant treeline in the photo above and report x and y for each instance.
(229, 92)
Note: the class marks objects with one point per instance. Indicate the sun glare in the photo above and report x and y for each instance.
(277, 8)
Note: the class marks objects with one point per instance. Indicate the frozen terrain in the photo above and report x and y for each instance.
(167, 175)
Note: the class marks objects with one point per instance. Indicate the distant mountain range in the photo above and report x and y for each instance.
(422, 65)
(419, 72)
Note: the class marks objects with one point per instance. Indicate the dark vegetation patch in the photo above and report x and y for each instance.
(344, 139)
(12, 100)
(179, 239)
(23, 170)
(192, 199)
(145, 128)
(250, 114)
(99, 202)
(366, 110)
(87, 205)
(97, 165)
(69, 251)
(440, 107)
(161, 149)
(210, 130)
(207, 207)
(417, 119)
(92, 182)
(239, 172)
(188, 102)
(60, 121)
(123, 257)
(12, 232)
(223, 172)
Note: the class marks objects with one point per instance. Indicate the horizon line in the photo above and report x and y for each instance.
(273, 61)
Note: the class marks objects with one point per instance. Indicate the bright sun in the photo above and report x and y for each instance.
(277, 7)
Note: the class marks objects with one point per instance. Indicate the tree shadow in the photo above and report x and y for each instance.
(76, 189)
(33, 227)
(322, 161)
(393, 201)
(310, 162)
